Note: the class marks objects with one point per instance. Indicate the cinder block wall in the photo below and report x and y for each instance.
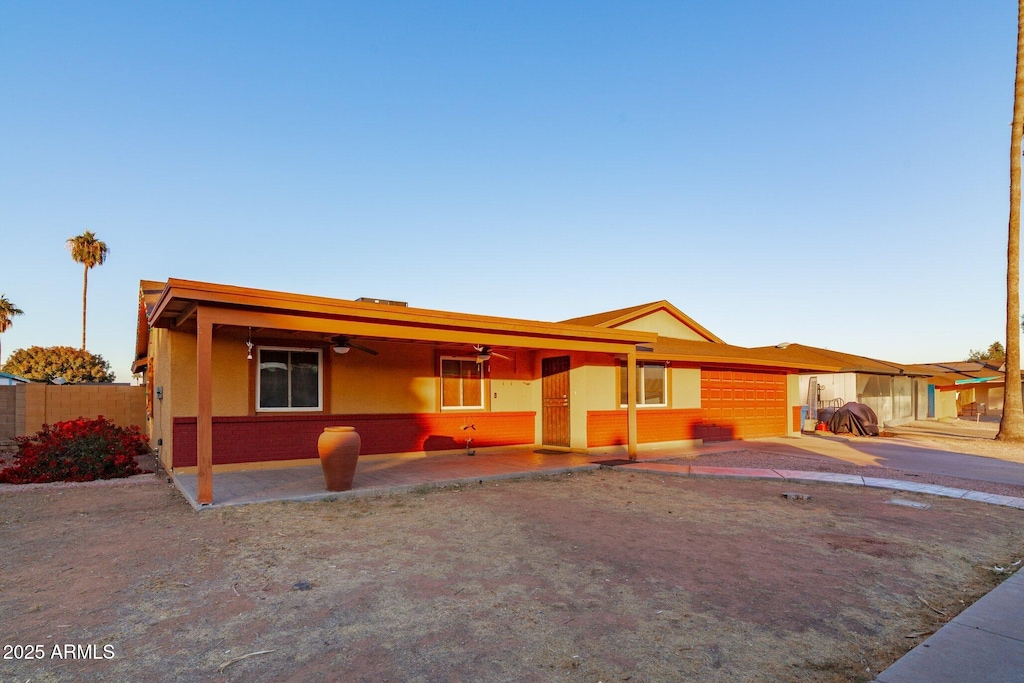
(48, 403)
(8, 413)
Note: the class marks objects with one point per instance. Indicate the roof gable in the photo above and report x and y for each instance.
(660, 317)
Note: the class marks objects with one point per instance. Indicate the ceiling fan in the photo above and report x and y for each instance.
(343, 344)
(484, 353)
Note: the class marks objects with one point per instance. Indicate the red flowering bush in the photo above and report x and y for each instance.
(76, 450)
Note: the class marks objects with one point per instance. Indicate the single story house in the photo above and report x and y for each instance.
(7, 379)
(966, 388)
(241, 378)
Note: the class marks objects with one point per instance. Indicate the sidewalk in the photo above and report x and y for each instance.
(679, 470)
(983, 644)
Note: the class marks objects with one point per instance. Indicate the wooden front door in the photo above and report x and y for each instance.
(555, 392)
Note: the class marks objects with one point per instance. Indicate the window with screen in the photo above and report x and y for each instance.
(289, 379)
(462, 383)
(651, 384)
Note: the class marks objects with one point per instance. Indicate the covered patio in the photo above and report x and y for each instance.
(383, 474)
(419, 381)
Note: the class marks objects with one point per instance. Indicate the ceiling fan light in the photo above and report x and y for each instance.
(483, 358)
(342, 349)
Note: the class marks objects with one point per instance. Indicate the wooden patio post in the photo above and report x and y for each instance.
(631, 403)
(204, 406)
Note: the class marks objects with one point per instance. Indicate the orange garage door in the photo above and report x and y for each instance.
(742, 405)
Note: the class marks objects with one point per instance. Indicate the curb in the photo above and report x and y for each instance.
(821, 478)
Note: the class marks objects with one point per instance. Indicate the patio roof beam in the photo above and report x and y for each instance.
(186, 314)
(245, 318)
(710, 359)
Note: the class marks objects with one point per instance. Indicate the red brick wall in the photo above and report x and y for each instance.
(608, 427)
(291, 437)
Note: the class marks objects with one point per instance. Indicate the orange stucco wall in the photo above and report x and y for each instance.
(401, 379)
(174, 372)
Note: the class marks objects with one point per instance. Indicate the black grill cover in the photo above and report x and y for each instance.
(854, 418)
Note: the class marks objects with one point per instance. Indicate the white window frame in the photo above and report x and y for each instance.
(640, 390)
(440, 375)
(319, 376)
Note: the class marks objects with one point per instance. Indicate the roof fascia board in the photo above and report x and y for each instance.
(848, 360)
(719, 360)
(979, 380)
(293, 304)
(399, 331)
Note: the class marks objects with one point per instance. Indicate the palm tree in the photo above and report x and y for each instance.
(7, 311)
(1011, 425)
(90, 252)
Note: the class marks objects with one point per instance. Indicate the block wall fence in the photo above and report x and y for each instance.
(25, 408)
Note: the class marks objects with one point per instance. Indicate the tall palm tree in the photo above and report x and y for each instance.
(1011, 425)
(7, 311)
(91, 252)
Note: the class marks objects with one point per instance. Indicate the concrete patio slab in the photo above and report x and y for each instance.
(380, 474)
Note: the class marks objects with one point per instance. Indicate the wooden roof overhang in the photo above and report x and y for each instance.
(840, 361)
(960, 381)
(180, 302)
(149, 292)
(953, 375)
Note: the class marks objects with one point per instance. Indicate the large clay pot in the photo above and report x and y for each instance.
(339, 453)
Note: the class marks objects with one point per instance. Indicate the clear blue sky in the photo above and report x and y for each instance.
(830, 173)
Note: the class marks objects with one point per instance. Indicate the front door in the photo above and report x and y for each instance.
(555, 392)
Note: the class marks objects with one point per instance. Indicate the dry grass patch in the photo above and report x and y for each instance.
(607, 576)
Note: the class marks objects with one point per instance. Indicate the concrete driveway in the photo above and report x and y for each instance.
(897, 453)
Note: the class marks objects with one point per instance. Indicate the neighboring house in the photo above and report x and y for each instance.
(897, 393)
(967, 388)
(7, 379)
(241, 377)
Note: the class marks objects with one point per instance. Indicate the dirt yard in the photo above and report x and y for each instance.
(604, 576)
